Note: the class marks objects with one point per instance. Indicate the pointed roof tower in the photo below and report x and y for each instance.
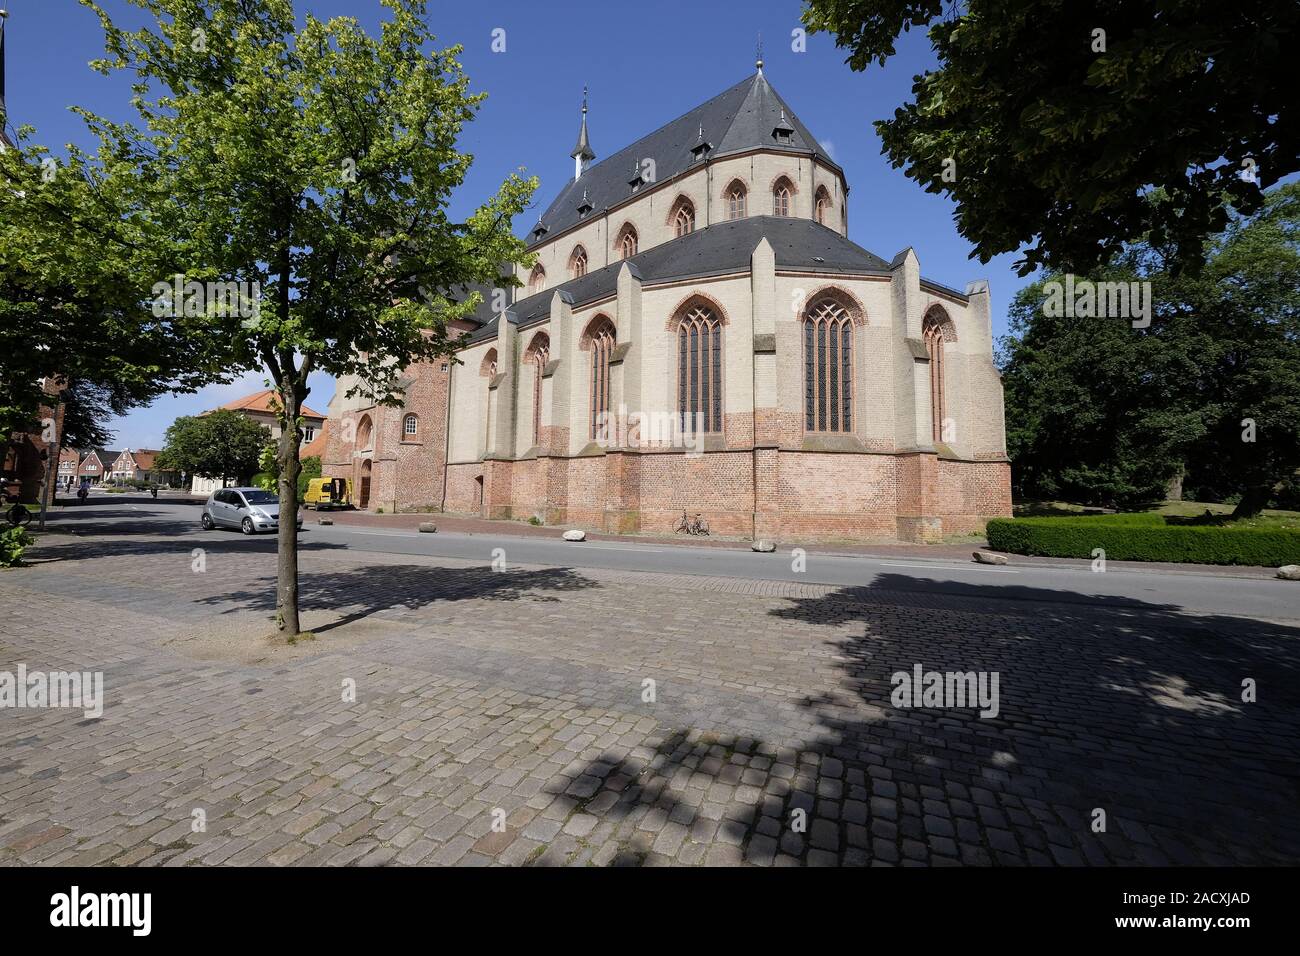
(582, 153)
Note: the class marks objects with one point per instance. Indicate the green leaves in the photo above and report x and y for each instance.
(1101, 413)
(220, 444)
(1057, 140)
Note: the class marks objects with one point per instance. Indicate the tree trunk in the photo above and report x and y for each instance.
(286, 596)
(1253, 501)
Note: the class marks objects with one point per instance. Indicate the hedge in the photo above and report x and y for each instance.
(1144, 541)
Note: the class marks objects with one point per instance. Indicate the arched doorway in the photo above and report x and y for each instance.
(363, 498)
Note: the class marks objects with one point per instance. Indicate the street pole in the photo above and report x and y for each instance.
(47, 487)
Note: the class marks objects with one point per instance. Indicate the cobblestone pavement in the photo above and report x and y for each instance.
(520, 695)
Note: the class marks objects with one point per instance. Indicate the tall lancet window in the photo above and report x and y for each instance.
(828, 367)
(539, 353)
(699, 369)
(936, 330)
(600, 339)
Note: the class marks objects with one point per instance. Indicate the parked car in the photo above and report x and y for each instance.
(249, 509)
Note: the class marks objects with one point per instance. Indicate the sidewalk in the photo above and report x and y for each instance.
(952, 551)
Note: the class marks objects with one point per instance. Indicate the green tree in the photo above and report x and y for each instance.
(1101, 412)
(220, 445)
(315, 165)
(1052, 122)
(74, 299)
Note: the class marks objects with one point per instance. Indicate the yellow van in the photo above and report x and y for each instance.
(325, 493)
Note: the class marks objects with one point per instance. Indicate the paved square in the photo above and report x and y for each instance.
(503, 717)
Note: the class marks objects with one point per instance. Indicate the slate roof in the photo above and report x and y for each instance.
(738, 119)
(724, 247)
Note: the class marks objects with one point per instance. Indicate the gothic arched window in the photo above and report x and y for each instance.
(823, 204)
(627, 242)
(599, 338)
(781, 193)
(935, 330)
(537, 281)
(683, 217)
(827, 367)
(578, 262)
(736, 200)
(699, 368)
(538, 354)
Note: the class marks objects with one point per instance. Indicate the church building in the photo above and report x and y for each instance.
(699, 335)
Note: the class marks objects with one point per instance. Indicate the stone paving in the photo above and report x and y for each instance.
(502, 717)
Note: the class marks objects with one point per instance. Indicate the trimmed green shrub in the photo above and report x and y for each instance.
(13, 542)
(1144, 541)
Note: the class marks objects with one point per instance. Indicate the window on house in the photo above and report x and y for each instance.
(410, 426)
(683, 218)
(308, 433)
(736, 200)
(828, 368)
(600, 338)
(578, 263)
(699, 370)
(781, 194)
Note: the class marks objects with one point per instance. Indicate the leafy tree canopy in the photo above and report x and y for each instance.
(1057, 121)
(221, 444)
(311, 165)
(1100, 412)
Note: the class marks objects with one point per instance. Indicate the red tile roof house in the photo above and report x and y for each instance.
(259, 408)
(140, 465)
(95, 465)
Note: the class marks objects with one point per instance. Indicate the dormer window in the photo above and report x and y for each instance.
(539, 230)
(636, 180)
(783, 132)
(701, 147)
(585, 206)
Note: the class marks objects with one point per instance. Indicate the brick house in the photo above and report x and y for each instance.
(698, 333)
(260, 408)
(96, 466)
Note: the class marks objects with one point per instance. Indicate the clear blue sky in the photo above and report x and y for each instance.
(643, 69)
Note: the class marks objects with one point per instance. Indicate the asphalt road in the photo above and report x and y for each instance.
(1192, 593)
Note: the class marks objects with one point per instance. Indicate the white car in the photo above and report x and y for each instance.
(249, 509)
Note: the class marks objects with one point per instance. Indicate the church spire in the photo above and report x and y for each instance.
(758, 55)
(582, 153)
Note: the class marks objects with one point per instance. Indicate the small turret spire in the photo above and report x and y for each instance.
(758, 55)
(582, 153)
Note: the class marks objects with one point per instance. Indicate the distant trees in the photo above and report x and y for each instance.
(1100, 412)
(219, 445)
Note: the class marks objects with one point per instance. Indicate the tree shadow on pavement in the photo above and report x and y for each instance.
(363, 591)
(1127, 707)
